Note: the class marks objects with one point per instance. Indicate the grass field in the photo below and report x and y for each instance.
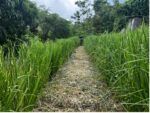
(23, 77)
(123, 59)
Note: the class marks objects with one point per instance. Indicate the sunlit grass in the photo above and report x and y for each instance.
(23, 77)
(123, 59)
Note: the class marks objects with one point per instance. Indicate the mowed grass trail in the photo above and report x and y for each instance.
(77, 88)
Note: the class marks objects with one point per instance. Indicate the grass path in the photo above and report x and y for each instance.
(77, 88)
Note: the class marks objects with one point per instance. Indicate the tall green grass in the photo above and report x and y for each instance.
(123, 59)
(22, 77)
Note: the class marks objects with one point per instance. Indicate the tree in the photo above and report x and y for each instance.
(19, 17)
(11, 22)
(108, 17)
(83, 17)
(133, 8)
(15, 16)
(120, 20)
(103, 19)
(53, 26)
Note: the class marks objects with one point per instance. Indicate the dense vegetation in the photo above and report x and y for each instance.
(20, 17)
(102, 16)
(22, 77)
(123, 59)
(30, 52)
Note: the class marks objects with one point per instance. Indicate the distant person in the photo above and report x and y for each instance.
(81, 40)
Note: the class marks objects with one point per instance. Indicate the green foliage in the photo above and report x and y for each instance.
(52, 26)
(83, 17)
(103, 19)
(23, 77)
(15, 16)
(130, 9)
(135, 8)
(123, 60)
(19, 17)
(11, 23)
(108, 17)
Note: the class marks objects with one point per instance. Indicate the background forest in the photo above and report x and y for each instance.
(22, 17)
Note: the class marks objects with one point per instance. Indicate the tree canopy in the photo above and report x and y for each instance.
(19, 17)
(111, 17)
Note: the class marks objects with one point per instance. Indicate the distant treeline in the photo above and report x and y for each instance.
(103, 16)
(21, 17)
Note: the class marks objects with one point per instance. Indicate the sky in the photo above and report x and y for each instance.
(65, 8)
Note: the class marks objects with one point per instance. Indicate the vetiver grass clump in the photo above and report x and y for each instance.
(22, 77)
(123, 59)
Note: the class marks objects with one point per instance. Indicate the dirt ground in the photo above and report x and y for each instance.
(77, 88)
